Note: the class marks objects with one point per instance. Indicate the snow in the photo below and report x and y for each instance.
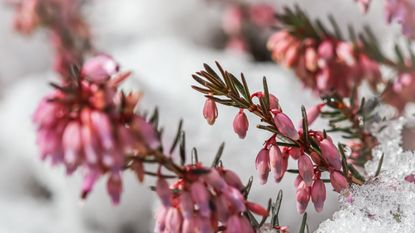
(386, 202)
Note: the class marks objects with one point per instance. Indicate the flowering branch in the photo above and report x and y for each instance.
(314, 150)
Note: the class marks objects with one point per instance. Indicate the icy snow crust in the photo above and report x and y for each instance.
(385, 203)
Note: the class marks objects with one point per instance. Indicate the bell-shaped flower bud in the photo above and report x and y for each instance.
(214, 179)
(72, 142)
(164, 192)
(235, 198)
(306, 170)
(326, 50)
(273, 102)
(318, 194)
(99, 69)
(295, 152)
(114, 187)
(262, 165)
(173, 220)
(311, 58)
(278, 162)
(345, 52)
(241, 124)
(257, 209)
(89, 182)
(186, 205)
(312, 114)
(285, 126)
(233, 179)
(303, 197)
(338, 181)
(200, 196)
(210, 111)
(330, 154)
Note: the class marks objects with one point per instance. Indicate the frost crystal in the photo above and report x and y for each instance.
(386, 203)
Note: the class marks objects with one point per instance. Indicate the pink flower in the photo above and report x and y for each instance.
(262, 14)
(199, 204)
(210, 111)
(273, 102)
(402, 11)
(237, 44)
(200, 196)
(238, 224)
(240, 124)
(100, 68)
(330, 153)
(318, 194)
(232, 21)
(312, 114)
(262, 165)
(306, 170)
(164, 192)
(114, 187)
(285, 126)
(278, 162)
(27, 18)
(303, 197)
(338, 181)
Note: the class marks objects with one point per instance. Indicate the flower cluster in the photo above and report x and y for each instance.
(69, 34)
(209, 200)
(324, 65)
(314, 151)
(238, 17)
(87, 123)
(402, 11)
(401, 91)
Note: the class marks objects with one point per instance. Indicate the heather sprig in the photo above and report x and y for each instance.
(314, 150)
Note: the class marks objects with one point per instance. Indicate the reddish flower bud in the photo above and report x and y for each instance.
(410, 178)
(345, 52)
(306, 170)
(210, 111)
(292, 54)
(114, 187)
(216, 180)
(262, 14)
(186, 205)
(262, 165)
(295, 152)
(100, 68)
(278, 162)
(200, 196)
(173, 220)
(330, 153)
(318, 194)
(235, 197)
(285, 126)
(233, 179)
(303, 197)
(240, 124)
(72, 142)
(312, 114)
(326, 50)
(257, 209)
(89, 182)
(273, 102)
(238, 224)
(311, 59)
(164, 192)
(338, 181)
(222, 208)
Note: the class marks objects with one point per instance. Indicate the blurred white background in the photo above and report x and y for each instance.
(163, 42)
